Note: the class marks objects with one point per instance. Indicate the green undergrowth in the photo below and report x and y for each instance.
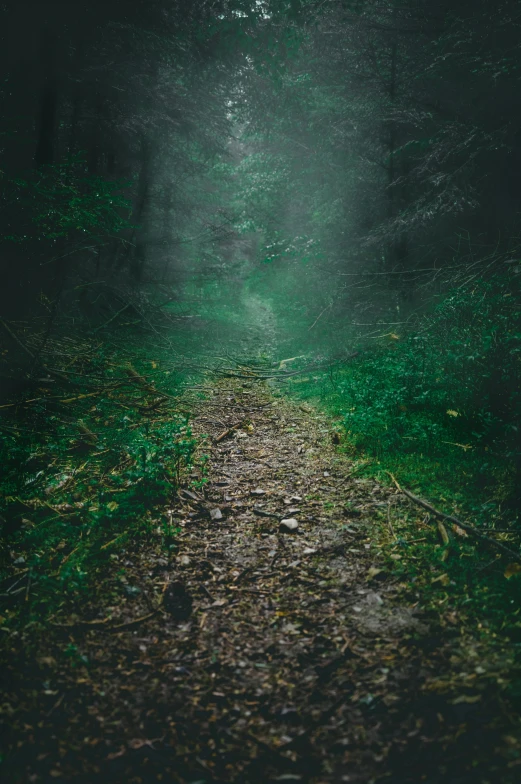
(441, 410)
(91, 455)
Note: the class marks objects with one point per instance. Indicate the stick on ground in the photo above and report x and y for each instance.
(466, 527)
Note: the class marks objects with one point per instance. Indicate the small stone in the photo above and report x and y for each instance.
(288, 526)
(216, 514)
(258, 491)
(309, 551)
(326, 473)
(293, 510)
(375, 598)
(296, 498)
(132, 590)
(184, 560)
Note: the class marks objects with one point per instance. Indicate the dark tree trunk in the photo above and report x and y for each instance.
(46, 127)
(138, 258)
(46, 121)
(94, 155)
(166, 234)
(398, 249)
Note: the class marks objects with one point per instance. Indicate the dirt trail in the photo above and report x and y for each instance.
(276, 656)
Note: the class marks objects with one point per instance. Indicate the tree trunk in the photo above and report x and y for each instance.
(137, 249)
(46, 121)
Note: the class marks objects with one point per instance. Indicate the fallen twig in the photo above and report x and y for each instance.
(98, 622)
(389, 523)
(135, 377)
(228, 432)
(16, 339)
(102, 623)
(465, 526)
(262, 513)
(135, 622)
(112, 318)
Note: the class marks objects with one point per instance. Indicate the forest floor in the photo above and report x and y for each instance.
(258, 652)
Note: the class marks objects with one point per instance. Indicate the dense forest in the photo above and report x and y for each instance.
(306, 206)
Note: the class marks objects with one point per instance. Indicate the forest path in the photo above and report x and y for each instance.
(275, 656)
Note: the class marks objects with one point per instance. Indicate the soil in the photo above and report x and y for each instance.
(255, 650)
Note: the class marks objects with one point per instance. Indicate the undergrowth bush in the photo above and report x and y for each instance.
(84, 473)
(446, 398)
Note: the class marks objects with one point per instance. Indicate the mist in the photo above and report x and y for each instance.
(217, 209)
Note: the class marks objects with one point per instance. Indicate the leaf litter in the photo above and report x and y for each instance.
(245, 654)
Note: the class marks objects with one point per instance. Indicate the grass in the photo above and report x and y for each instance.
(439, 409)
(440, 456)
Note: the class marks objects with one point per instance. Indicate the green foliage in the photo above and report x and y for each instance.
(443, 403)
(85, 475)
(64, 201)
(469, 580)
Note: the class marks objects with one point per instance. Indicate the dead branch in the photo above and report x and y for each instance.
(455, 521)
(228, 432)
(16, 339)
(141, 380)
(114, 317)
(102, 623)
(135, 622)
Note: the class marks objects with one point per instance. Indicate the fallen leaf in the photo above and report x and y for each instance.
(467, 699)
(115, 754)
(444, 579)
(47, 661)
(459, 531)
(512, 569)
(443, 533)
(138, 743)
